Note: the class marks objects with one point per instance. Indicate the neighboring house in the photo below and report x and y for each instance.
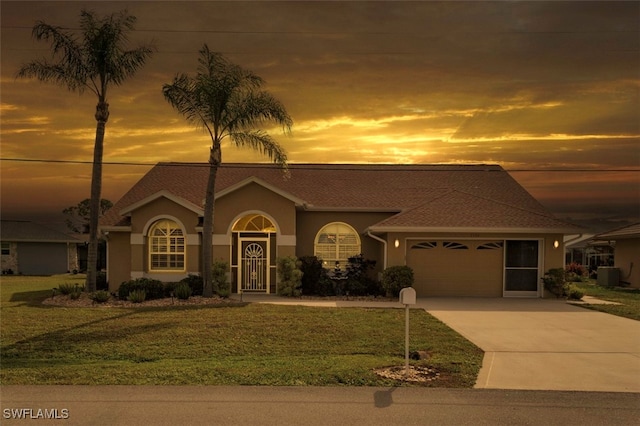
(29, 248)
(589, 252)
(466, 230)
(627, 252)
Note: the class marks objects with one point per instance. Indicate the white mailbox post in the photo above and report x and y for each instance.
(407, 297)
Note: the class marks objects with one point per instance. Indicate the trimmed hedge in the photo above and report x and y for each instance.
(153, 289)
(395, 278)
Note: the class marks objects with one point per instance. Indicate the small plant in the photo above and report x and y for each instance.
(100, 296)
(183, 291)
(221, 286)
(137, 296)
(555, 281)
(574, 293)
(75, 295)
(395, 278)
(67, 289)
(288, 268)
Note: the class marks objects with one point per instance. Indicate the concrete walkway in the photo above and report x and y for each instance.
(533, 344)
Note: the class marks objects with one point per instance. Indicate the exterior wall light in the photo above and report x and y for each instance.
(396, 243)
(556, 244)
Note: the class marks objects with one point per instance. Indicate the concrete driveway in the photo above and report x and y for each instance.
(545, 344)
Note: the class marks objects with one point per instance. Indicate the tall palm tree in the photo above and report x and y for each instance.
(226, 101)
(92, 63)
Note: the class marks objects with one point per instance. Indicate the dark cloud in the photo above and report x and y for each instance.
(525, 84)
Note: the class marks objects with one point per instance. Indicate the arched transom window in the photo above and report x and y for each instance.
(166, 246)
(254, 222)
(336, 242)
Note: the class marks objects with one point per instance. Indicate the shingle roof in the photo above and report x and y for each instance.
(457, 209)
(25, 231)
(420, 191)
(631, 231)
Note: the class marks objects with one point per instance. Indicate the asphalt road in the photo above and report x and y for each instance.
(222, 405)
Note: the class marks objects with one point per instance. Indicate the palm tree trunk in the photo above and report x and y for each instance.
(102, 115)
(207, 223)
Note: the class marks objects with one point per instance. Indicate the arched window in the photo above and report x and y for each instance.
(336, 242)
(255, 223)
(166, 246)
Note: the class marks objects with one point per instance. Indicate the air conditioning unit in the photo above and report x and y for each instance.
(608, 276)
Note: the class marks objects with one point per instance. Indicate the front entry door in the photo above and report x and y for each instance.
(255, 265)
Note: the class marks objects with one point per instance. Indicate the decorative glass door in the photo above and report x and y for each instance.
(254, 268)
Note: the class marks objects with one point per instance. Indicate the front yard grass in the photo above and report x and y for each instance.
(250, 344)
(628, 299)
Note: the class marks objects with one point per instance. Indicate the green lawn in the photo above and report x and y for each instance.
(249, 344)
(629, 299)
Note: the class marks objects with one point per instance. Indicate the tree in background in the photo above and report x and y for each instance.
(227, 102)
(94, 62)
(79, 216)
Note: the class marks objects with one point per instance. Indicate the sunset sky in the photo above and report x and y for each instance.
(549, 90)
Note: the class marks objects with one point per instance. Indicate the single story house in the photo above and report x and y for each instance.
(466, 230)
(29, 248)
(626, 241)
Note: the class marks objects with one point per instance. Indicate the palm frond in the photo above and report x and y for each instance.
(262, 142)
(184, 95)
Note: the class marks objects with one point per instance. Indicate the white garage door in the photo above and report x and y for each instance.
(457, 267)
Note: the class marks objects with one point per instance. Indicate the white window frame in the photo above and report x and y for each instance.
(171, 246)
(339, 250)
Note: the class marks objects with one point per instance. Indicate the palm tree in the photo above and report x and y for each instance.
(92, 63)
(226, 101)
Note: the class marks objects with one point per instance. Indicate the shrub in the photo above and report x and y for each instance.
(67, 289)
(221, 285)
(169, 289)
(75, 294)
(315, 279)
(290, 276)
(359, 282)
(137, 296)
(574, 293)
(183, 291)
(195, 282)
(153, 289)
(555, 281)
(100, 296)
(575, 272)
(101, 281)
(395, 278)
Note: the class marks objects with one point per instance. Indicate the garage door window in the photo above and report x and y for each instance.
(521, 266)
(494, 245)
(425, 245)
(452, 245)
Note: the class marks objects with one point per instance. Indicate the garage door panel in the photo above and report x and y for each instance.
(457, 268)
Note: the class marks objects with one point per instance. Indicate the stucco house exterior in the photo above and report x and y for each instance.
(29, 248)
(627, 252)
(466, 230)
